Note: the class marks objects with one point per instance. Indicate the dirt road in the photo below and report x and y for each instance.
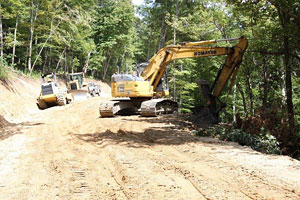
(70, 153)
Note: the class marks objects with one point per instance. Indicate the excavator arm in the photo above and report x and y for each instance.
(157, 66)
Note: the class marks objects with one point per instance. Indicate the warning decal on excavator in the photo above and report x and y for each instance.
(200, 53)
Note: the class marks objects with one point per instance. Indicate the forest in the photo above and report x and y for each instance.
(101, 37)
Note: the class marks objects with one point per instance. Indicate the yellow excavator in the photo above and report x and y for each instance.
(144, 92)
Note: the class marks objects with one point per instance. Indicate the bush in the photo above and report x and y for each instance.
(263, 142)
(3, 69)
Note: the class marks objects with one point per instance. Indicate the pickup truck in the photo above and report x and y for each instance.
(94, 89)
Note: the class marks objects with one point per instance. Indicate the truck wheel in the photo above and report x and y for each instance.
(61, 100)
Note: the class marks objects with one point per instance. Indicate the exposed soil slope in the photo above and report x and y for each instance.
(70, 153)
(18, 97)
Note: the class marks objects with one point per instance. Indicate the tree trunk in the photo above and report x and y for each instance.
(240, 89)
(72, 61)
(250, 95)
(149, 42)
(15, 41)
(123, 58)
(163, 32)
(31, 37)
(60, 58)
(283, 92)
(50, 59)
(86, 63)
(285, 20)
(116, 65)
(265, 85)
(234, 104)
(66, 64)
(181, 89)
(1, 37)
(288, 85)
(106, 67)
(175, 24)
(174, 86)
(50, 35)
(45, 63)
(32, 20)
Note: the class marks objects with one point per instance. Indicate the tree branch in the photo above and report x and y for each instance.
(284, 10)
(268, 53)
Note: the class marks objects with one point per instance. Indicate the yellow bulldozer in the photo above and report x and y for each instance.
(51, 94)
(77, 86)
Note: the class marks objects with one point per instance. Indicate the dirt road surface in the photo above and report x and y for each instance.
(70, 153)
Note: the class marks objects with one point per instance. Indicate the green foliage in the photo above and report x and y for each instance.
(263, 142)
(3, 69)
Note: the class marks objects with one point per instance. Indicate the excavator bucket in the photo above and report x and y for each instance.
(209, 114)
(205, 116)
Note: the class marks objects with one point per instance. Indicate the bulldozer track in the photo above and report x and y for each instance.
(61, 99)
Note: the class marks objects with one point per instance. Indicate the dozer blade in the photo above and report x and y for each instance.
(156, 107)
(79, 94)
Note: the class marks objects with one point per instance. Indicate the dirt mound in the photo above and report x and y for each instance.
(3, 122)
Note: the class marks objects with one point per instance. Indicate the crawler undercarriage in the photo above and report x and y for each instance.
(145, 107)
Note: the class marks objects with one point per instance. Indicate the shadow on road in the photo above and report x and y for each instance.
(153, 136)
(169, 130)
(158, 136)
(8, 129)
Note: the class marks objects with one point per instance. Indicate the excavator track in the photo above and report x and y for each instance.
(155, 107)
(109, 108)
(118, 107)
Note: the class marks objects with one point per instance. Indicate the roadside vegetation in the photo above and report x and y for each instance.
(108, 36)
(3, 70)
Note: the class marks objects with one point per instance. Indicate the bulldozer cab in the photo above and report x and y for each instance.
(49, 84)
(75, 81)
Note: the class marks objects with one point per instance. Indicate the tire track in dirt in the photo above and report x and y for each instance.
(248, 182)
(240, 186)
(253, 176)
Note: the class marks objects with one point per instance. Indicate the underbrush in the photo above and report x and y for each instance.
(265, 143)
(3, 69)
(268, 131)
